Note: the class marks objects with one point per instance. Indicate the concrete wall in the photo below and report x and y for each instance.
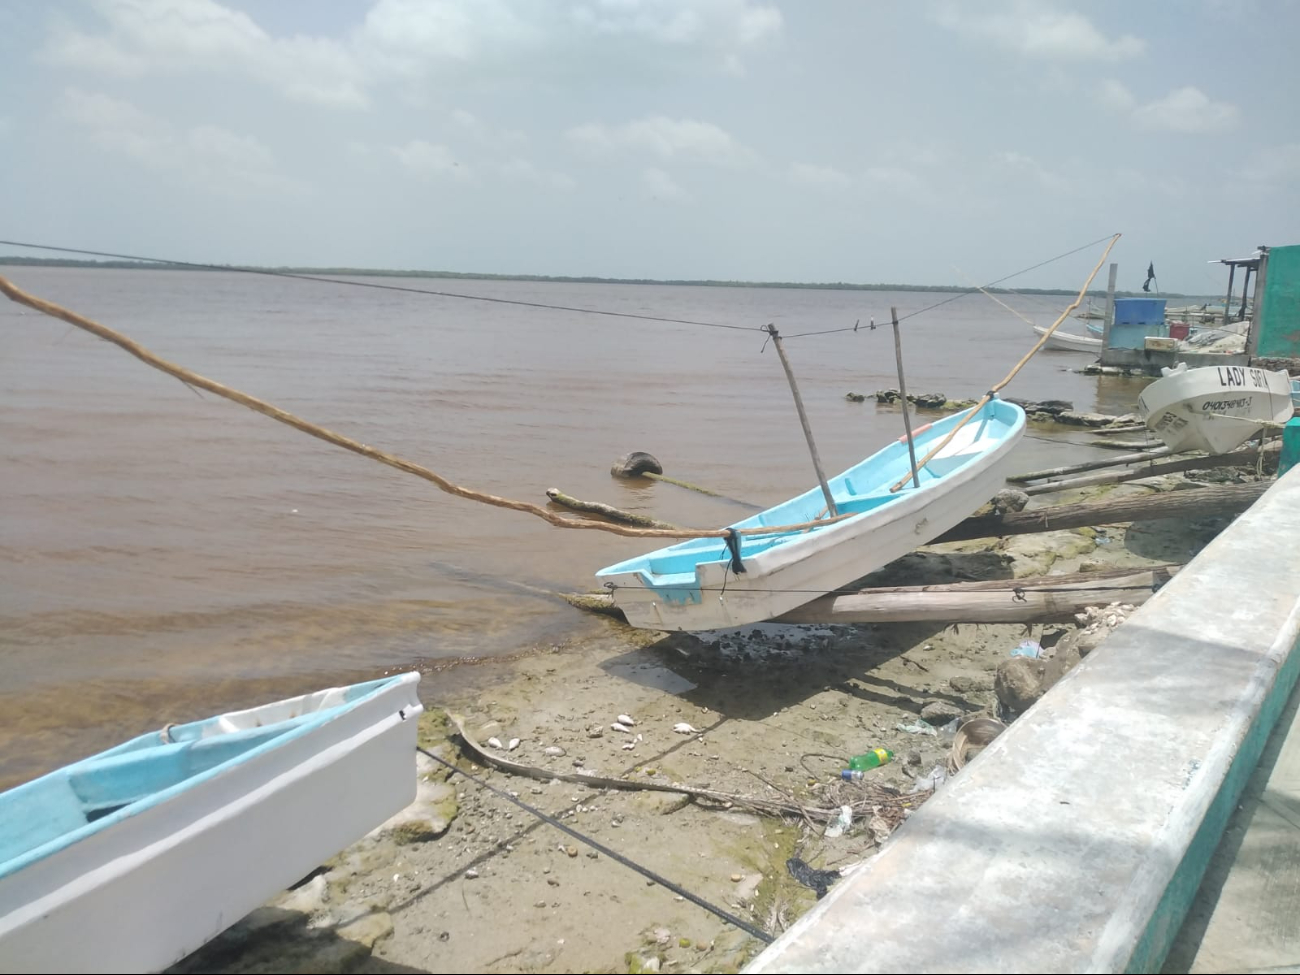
(1075, 842)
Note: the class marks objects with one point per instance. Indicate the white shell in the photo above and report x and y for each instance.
(494, 742)
(625, 719)
(620, 727)
(683, 728)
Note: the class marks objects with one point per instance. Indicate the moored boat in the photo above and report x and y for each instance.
(693, 585)
(129, 860)
(1214, 408)
(1069, 342)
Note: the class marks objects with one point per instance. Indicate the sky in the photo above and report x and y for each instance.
(841, 140)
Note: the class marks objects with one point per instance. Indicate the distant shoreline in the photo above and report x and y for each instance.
(13, 261)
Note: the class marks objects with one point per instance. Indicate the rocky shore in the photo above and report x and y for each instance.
(466, 880)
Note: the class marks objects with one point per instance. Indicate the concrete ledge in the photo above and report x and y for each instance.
(1076, 842)
(1152, 360)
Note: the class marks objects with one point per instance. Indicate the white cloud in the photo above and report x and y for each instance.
(206, 155)
(1037, 29)
(174, 36)
(1275, 164)
(430, 159)
(403, 39)
(485, 133)
(660, 185)
(1024, 167)
(1186, 109)
(666, 138)
(815, 174)
(524, 171)
(1182, 110)
(1115, 95)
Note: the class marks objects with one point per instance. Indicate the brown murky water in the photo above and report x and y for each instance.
(164, 555)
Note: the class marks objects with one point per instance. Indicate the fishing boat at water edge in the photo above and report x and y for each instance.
(1214, 408)
(1069, 342)
(131, 859)
(693, 585)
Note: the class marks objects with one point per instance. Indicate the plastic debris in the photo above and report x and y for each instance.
(917, 727)
(842, 822)
(936, 777)
(817, 880)
(1029, 648)
(683, 728)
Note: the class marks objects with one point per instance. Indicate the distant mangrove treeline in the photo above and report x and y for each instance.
(560, 278)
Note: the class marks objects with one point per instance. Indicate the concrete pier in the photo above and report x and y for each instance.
(1077, 841)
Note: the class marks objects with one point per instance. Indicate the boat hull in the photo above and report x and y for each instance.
(141, 895)
(1069, 342)
(1214, 408)
(801, 567)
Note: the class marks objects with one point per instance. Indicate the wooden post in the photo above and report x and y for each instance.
(803, 420)
(1227, 301)
(1109, 319)
(902, 392)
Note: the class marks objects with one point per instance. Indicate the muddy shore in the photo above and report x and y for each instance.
(467, 881)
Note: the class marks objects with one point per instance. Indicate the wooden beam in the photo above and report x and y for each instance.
(1047, 599)
(1091, 465)
(1190, 503)
(1236, 458)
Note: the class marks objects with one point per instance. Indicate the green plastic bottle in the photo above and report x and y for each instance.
(872, 759)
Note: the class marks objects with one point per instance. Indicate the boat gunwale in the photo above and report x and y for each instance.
(15, 865)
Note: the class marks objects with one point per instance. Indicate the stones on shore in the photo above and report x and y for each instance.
(922, 401)
(685, 728)
(939, 713)
(554, 751)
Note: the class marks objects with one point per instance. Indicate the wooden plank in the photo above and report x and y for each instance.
(1245, 457)
(1191, 503)
(1091, 465)
(1047, 599)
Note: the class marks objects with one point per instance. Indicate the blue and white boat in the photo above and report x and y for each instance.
(1295, 394)
(694, 586)
(131, 859)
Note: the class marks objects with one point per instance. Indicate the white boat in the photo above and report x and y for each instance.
(694, 585)
(1069, 342)
(131, 859)
(1214, 408)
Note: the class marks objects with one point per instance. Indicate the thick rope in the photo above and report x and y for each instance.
(1012, 374)
(197, 381)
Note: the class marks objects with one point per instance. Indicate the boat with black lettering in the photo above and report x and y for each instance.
(1214, 408)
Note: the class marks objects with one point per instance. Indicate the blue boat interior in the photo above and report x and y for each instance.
(673, 572)
(49, 813)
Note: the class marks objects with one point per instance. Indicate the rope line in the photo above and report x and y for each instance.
(271, 272)
(196, 381)
(954, 297)
(614, 855)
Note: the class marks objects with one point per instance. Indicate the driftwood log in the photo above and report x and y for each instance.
(1048, 599)
(1191, 503)
(604, 510)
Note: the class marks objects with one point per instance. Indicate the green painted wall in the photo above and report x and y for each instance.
(1279, 319)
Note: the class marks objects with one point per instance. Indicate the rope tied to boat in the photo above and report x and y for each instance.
(733, 546)
(198, 382)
